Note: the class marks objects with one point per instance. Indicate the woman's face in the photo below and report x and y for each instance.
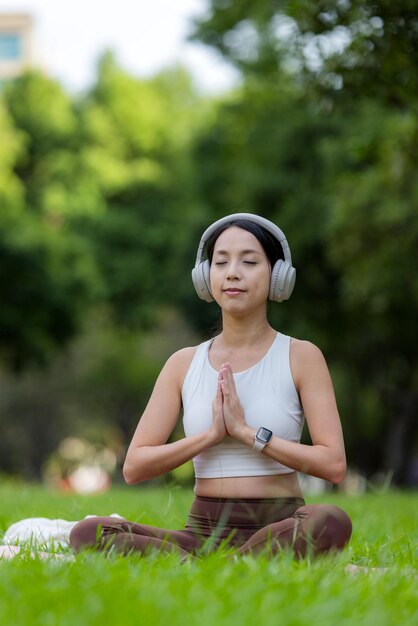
(240, 271)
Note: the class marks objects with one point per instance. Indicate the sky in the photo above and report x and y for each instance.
(146, 36)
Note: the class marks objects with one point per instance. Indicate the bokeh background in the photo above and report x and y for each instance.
(305, 112)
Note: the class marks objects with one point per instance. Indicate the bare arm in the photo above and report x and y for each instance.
(149, 455)
(325, 458)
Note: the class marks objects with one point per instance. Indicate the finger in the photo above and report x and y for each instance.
(228, 382)
(217, 400)
(228, 374)
(222, 381)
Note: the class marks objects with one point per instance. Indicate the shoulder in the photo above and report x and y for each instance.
(182, 357)
(301, 349)
(305, 359)
(178, 363)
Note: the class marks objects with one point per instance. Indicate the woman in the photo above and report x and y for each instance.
(244, 396)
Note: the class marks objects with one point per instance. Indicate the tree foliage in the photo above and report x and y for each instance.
(350, 208)
(96, 188)
(46, 274)
(351, 47)
(103, 198)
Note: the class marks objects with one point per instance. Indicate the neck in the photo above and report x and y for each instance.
(244, 332)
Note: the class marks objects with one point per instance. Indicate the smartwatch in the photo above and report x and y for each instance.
(261, 438)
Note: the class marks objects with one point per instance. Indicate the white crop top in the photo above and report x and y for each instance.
(269, 398)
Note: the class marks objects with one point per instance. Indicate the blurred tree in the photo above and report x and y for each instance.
(103, 198)
(46, 275)
(361, 48)
(11, 145)
(341, 182)
(97, 203)
(95, 390)
(138, 138)
(104, 188)
(372, 240)
(262, 154)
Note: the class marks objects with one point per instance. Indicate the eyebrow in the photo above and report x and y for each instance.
(249, 251)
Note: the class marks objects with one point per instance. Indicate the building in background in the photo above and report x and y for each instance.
(16, 44)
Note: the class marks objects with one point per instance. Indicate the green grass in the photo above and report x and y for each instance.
(97, 590)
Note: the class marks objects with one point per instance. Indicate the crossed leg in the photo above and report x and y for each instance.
(105, 533)
(312, 529)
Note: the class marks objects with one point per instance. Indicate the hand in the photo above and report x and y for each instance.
(233, 412)
(218, 424)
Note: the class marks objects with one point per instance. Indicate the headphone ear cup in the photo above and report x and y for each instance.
(283, 277)
(201, 281)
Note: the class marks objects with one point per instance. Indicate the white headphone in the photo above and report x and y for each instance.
(283, 275)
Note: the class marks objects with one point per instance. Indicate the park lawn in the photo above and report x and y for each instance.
(95, 589)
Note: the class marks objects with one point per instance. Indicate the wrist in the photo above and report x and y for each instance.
(214, 436)
(245, 434)
(262, 438)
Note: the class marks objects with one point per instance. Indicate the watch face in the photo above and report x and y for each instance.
(264, 434)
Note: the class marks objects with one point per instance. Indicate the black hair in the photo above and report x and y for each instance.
(268, 241)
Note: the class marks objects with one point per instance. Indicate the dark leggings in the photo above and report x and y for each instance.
(250, 526)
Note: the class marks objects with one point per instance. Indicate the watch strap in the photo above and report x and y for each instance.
(258, 445)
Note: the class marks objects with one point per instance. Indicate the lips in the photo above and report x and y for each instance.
(232, 292)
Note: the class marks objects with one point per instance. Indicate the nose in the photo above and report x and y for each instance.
(232, 272)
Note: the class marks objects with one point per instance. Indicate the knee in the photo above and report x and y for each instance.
(85, 533)
(337, 527)
(330, 526)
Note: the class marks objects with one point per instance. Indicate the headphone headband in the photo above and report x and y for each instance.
(257, 219)
(283, 275)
